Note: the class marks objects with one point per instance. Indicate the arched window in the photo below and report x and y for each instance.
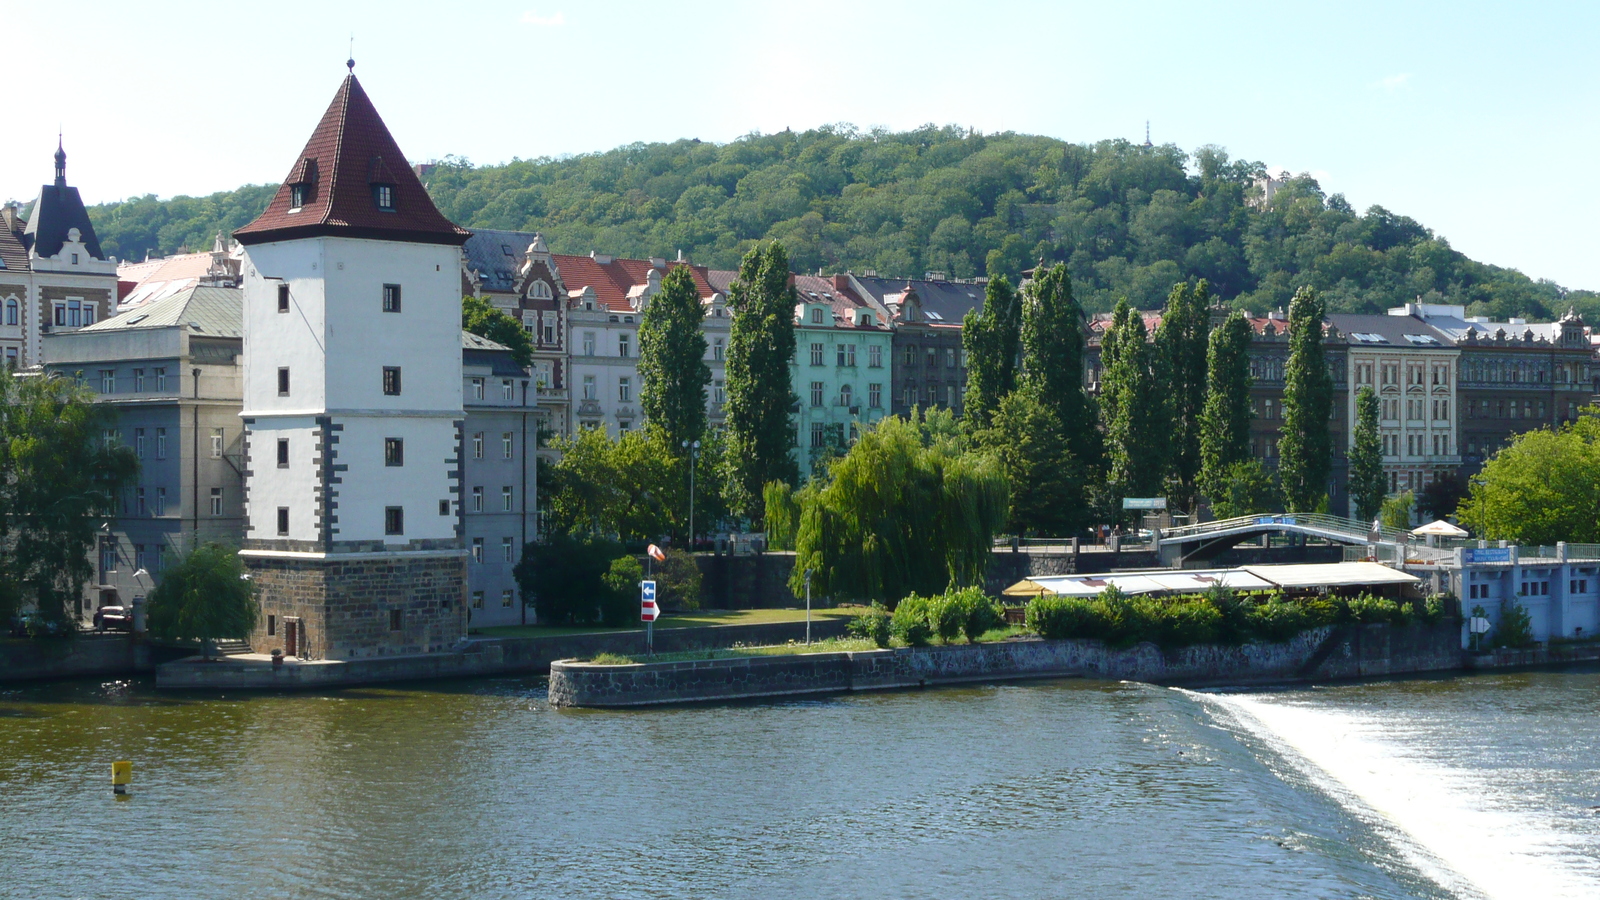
(11, 311)
(844, 395)
(541, 291)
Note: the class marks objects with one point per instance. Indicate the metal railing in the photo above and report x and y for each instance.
(1352, 529)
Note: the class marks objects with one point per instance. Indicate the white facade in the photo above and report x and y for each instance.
(1417, 409)
(337, 350)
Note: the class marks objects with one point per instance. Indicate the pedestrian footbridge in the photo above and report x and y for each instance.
(1205, 540)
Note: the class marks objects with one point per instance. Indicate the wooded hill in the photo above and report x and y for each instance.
(1129, 220)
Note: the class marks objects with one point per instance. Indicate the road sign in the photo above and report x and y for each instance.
(648, 611)
(1478, 625)
(1144, 503)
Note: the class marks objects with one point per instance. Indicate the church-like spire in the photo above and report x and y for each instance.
(61, 163)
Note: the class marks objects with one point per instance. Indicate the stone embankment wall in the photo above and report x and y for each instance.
(79, 655)
(1322, 653)
(479, 657)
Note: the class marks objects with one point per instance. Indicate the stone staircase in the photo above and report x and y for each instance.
(231, 648)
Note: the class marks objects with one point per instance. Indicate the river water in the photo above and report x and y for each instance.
(1480, 786)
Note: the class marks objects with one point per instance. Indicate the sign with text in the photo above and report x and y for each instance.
(648, 611)
(1488, 554)
(1144, 503)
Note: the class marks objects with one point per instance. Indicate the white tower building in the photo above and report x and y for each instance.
(352, 401)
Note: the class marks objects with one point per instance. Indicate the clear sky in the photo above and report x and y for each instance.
(1477, 119)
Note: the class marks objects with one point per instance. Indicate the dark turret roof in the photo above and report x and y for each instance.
(349, 154)
(58, 210)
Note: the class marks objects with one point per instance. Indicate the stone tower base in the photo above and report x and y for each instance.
(352, 606)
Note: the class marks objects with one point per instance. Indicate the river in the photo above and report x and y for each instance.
(1461, 787)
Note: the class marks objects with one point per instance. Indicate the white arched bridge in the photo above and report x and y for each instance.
(1206, 539)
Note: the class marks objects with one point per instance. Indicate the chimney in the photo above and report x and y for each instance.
(8, 213)
(841, 282)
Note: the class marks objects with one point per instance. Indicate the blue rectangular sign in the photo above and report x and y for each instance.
(1488, 554)
(647, 591)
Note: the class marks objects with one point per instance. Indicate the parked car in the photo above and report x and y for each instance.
(113, 618)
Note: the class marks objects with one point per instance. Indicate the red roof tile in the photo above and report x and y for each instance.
(349, 153)
(613, 279)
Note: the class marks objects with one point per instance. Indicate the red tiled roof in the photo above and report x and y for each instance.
(350, 151)
(612, 280)
(836, 293)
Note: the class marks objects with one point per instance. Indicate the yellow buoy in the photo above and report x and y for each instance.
(121, 776)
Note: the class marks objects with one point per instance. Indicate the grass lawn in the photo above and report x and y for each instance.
(696, 619)
(832, 645)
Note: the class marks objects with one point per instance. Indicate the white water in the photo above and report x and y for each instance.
(1448, 821)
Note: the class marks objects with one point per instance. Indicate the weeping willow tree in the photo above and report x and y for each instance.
(782, 503)
(905, 511)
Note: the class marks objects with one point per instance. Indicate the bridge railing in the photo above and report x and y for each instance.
(1319, 521)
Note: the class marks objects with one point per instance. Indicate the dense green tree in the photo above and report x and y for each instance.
(205, 597)
(1367, 483)
(564, 576)
(482, 318)
(631, 487)
(1128, 220)
(673, 373)
(1441, 497)
(1225, 420)
(1136, 409)
(1396, 511)
(905, 512)
(58, 477)
(760, 433)
(1048, 484)
(1305, 446)
(1180, 345)
(1243, 489)
(1052, 352)
(1542, 488)
(992, 339)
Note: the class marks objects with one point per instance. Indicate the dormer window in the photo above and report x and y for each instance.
(301, 183)
(297, 196)
(383, 195)
(541, 291)
(816, 316)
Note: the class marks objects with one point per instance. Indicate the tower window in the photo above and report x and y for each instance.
(394, 451)
(391, 298)
(283, 298)
(444, 507)
(383, 195)
(394, 520)
(391, 380)
(283, 521)
(297, 196)
(283, 453)
(283, 381)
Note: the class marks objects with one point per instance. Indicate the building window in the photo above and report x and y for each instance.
(138, 381)
(477, 388)
(507, 390)
(818, 436)
(11, 312)
(816, 393)
(846, 395)
(624, 389)
(477, 599)
(477, 445)
(391, 298)
(283, 453)
(505, 444)
(477, 557)
(950, 395)
(283, 381)
(816, 316)
(138, 443)
(161, 501)
(297, 196)
(141, 559)
(816, 354)
(161, 443)
(910, 359)
(506, 546)
(216, 501)
(391, 380)
(444, 507)
(108, 381)
(717, 349)
(283, 298)
(394, 451)
(949, 358)
(908, 396)
(549, 330)
(719, 393)
(933, 357)
(874, 357)
(283, 521)
(622, 345)
(505, 598)
(588, 343)
(396, 619)
(875, 396)
(846, 354)
(161, 379)
(383, 195)
(505, 498)
(590, 392)
(394, 520)
(477, 498)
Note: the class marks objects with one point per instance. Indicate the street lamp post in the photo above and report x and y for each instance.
(694, 455)
(808, 605)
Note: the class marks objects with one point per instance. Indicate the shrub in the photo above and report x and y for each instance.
(619, 596)
(1178, 622)
(1320, 610)
(678, 581)
(1116, 620)
(872, 624)
(910, 621)
(565, 574)
(1436, 608)
(1277, 619)
(1233, 624)
(946, 614)
(979, 613)
(611, 659)
(1515, 628)
(1369, 610)
(1060, 618)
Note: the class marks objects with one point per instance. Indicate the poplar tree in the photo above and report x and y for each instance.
(1367, 484)
(672, 361)
(1181, 360)
(991, 337)
(761, 400)
(1137, 429)
(1305, 446)
(1225, 420)
(1052, 358)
